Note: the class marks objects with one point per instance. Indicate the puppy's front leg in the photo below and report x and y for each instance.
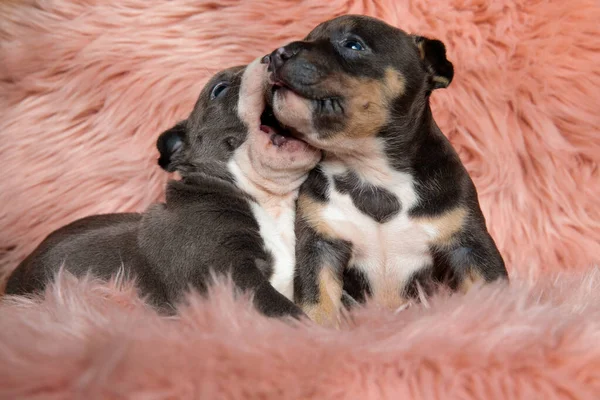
(323, 306)
(266, 298)
(318, 282)
(474, 259)
(463, 247)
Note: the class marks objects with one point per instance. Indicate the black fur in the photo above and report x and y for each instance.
(356, 286)
(169, 143)
(374, 201)
(316, 185)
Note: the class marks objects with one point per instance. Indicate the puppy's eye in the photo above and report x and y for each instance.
(218, 90)
(353, 45)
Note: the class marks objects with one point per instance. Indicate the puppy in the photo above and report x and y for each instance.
(391, 207)
(231, 213)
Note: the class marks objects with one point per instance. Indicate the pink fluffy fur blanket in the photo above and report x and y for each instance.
(87, 340)
(86, 87)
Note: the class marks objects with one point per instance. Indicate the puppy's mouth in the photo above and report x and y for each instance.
(278, 83)
(328, 104)
(278, 134)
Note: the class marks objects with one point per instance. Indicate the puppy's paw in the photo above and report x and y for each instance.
(323, 316)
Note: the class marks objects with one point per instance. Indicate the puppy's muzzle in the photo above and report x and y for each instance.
(290, 68)
(278, 57)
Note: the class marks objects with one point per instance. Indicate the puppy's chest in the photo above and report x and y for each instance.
(276, 224)
(388, 245)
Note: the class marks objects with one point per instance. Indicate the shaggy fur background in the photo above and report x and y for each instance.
(90, 341)
(86, 86)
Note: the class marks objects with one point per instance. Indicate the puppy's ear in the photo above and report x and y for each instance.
(433, 55)
(170, 144)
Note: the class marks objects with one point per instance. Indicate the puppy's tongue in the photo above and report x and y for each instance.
(276, 138)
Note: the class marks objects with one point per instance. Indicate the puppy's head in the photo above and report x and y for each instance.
(352, 76)
(231, 131)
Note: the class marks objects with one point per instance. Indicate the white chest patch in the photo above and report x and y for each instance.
(387, 253)
(279, 238)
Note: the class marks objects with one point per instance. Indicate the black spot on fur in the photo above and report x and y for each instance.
(374, 201)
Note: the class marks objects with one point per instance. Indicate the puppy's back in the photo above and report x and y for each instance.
(205, 226)
(98, 244)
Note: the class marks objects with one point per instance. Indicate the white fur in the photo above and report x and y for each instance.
(275, 218)
(272, 231)
(389, 253)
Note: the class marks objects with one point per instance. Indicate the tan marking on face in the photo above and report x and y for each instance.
(326, 311)
(444, 82)
(311, 211)
(446, 226)
(471, 278)
(366, 105)
(420, 47)
(368, 101)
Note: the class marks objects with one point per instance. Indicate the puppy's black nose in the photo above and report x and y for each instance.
(277, 58)
(286, 52)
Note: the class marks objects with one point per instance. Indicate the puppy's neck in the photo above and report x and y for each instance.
(402, 146)
(369, 162)
(213, 170)
(271, 193)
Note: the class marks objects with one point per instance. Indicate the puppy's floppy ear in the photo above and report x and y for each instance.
(433, 55)
(170, 143)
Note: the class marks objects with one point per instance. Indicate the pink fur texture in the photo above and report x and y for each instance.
(87, 86)
(91, 341)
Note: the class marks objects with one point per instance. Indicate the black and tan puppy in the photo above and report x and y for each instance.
(391, 205)
(231, 213)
